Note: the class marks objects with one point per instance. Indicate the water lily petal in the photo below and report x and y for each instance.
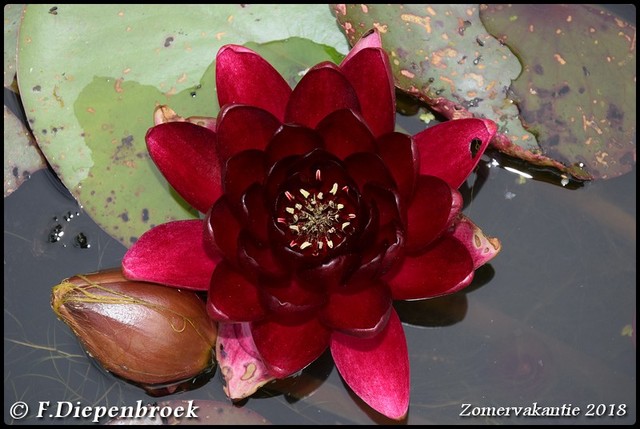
(369, 72)
(255, 212)
(330, 274)
(321, 91)
(376, 369)
(277, 175)
(344, 134)
(367, 167)
(292, 140)
(186, 156)
(400, 155)
(244, 77)
(222, 229)
(258, 258)
(370, 39)
(385, 200)
(286, 348)
(429, 212)
(242, 127)
(380, 256)
(452, 149)
(457, 204)
(358, 309)
(243, 170)
(173, 254)
(445, 265)
(239, 361)
(481, 247)
(292, 296)
(232, 297)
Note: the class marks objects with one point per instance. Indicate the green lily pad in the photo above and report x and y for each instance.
(21, 154)
(90, 77)
(578, 93)
(12, 15)
(293, 57)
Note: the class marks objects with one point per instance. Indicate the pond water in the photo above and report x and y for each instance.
(550, 322)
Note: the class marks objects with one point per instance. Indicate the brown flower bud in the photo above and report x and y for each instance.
(155, 336)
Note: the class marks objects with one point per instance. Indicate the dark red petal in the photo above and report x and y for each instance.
(386, 202)
(233, 298)
(356, 309)
(376, 369)
(243, 170)
(173, 254)
(452, 149)
(292, 296)
(383, 254)
(367, 167)
(292, 140)
(286, 348)
(443, 266)
(256, 216)
(241, 127)
(344, 133)
(244, 77)
(277, 176)
(222, 229)
(186, 156)
(321, 91)
(330, 274)
(369, 72)
(400, 155)
(481, 247)
(258, 258)
(429, 213)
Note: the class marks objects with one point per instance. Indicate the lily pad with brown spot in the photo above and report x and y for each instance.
(442, 54)
(577, 91)
(21, 154)
(12, 16)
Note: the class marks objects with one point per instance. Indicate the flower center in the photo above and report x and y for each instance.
(317, 218)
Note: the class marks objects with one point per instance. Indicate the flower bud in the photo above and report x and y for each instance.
(151, 335)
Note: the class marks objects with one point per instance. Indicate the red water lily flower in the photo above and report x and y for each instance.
(318, 216)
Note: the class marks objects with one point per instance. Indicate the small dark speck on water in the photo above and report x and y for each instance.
(81, 241)
(53, 10)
